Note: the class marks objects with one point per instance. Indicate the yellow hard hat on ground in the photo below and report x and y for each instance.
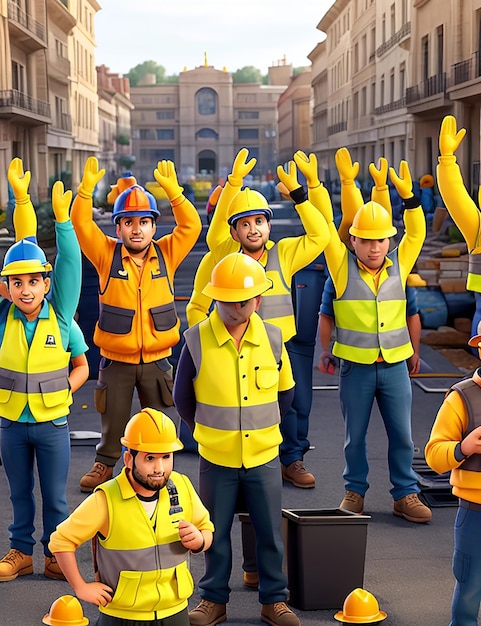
(151, 430)
(372, 221)
(235, 278)
(65, 611)
(360, 607)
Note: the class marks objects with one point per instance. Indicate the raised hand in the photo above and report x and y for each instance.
(348, 170)
(403, 182)
(449, 139)
(308, 166)
(91, 176)
(19, 180)
(241, 167)
(166, 176)
(61, 202)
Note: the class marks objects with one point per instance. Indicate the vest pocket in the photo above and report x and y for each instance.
(6, 387)
(54, 392)
(164, 317)
(115, 320)
(267, 377)
(185, 582)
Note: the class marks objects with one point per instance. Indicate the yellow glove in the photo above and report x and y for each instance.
(308, 166)
(403, 182)
(166, 176)
(241, 168)
(61, 202)
(90, 178)
(19, 181)
(348, 170)
(289, 178)
(379, 176)
(449, 139)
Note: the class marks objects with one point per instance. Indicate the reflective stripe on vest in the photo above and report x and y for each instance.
(368, 324)
(276, 304)
(37, 374)
(470, 393)
(474, 272)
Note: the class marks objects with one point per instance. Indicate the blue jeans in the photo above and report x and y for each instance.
(21, 443)
(307, 286)
(262, 488)
(466, 568)
(389, 384)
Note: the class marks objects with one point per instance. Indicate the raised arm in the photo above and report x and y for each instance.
(24, 216)
(380, 189)
(351, 196)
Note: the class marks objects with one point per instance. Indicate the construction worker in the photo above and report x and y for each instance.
(233, 384)
(144, 523)
(242, 223)
(372, 339)
(36, 386)
(461, 207)
(138, 324)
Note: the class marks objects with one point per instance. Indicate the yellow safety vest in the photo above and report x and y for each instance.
(143, 559)
(370, 325)
(237, 411)
(37, 374)
(276, 305)
(474, 272)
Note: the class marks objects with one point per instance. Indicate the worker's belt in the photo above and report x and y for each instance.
(466, 504)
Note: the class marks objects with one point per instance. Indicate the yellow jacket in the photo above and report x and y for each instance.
(237, 412)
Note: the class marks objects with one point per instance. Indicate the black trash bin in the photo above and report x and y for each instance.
(326, 553)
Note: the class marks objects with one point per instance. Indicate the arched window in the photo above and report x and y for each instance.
(207, 133)
(206, 99)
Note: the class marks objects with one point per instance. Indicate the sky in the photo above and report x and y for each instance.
(233, 34)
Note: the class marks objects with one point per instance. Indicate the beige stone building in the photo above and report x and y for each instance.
(386, 75)
(294, 116)
(202, 121)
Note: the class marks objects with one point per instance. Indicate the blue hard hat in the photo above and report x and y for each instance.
(25, 257)
(135, 202)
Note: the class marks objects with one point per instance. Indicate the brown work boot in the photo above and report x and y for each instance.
(279, 614)
(411, 508)
(52, 569)
(251, 580)
(353, 502)
(297, 474)
(15, 563)
(97, 475)
(207, 613)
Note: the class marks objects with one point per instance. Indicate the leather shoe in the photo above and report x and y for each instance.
(411, 508)
(352, 502)
(279, 614)
(52, 569)
(251, 580)
(297, 474)
(15, 563)
(207, 613)
(97, 475)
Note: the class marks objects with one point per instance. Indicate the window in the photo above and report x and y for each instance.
(18, 76)
(391, 86)
(440, 51)
(207, 133)
(402, 80)
(364, 101)
(206, 99)
(248, 115)
(165, 134)
(157, 155)
(393, 20)
(146, 133)
(166, 114)
(248, 133)
(425, 56)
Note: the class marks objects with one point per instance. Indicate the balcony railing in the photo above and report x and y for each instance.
(18, 15)
(401, 34)
(467, 70)
(336, 128)
(12, 98)
(391, 106)
(432, 86)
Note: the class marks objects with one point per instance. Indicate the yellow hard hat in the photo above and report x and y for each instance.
(372, 221)
(426, 181)
(237, 277)
(247, 202)
(151, 431)
(360, 607)
(65, 611)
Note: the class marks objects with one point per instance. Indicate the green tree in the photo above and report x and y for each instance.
(248, 74)
(147, 67)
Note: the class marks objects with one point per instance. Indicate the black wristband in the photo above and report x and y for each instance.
(411, 203)
(299, 195)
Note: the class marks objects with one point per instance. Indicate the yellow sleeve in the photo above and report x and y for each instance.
(91, 238)
(412, 242)
(459, 203)
(446, 433)
(382, 197)
(297, 252)
(286, 379)
(90, 517)
(351, 202)
(198, 307)
(219, 229)
(24, 221)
